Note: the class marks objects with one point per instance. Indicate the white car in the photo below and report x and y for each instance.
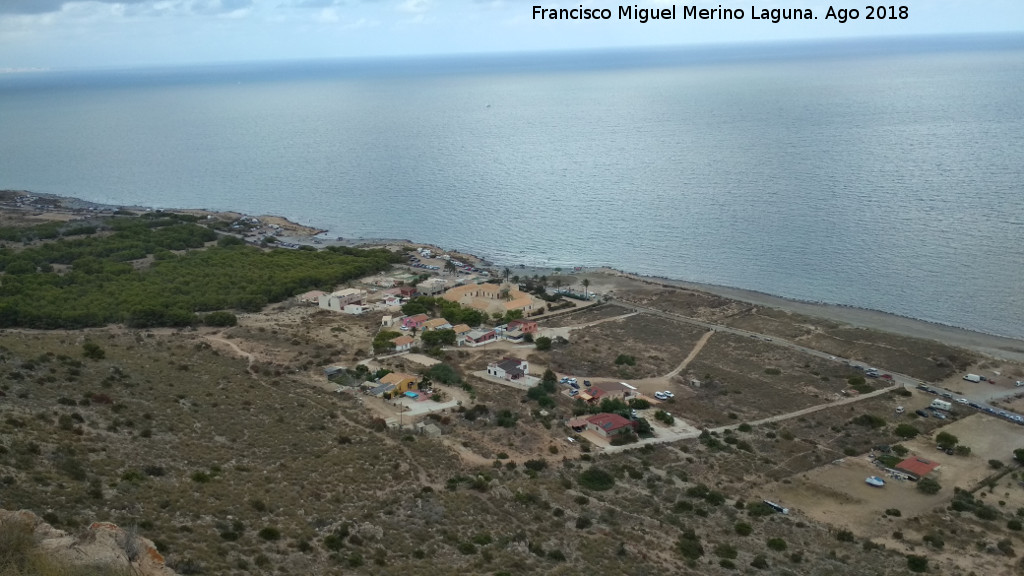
(1020, 383)
(961, 400)
(668, 394)
(660, 396)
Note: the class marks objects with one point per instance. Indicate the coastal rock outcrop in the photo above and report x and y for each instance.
(101, 543)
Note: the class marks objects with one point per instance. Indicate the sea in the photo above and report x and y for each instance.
(885, 174)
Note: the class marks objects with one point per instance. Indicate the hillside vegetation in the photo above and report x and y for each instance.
(156, 270)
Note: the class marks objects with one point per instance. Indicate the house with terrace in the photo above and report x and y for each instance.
(511, 369)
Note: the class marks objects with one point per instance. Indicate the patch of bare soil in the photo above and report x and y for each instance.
(700, 305)
(586, 315)
(645, 347)
(756, 379)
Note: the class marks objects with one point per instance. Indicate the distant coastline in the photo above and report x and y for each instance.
(297, 233)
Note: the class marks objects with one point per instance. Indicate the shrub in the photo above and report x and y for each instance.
(596, 479)
(895, 512)
(869, 420)
(625, 359)
(844, 536)
(582, 523)
(1014, 525)
(270, 534)
(759, 562)
(995, 464)
(928, 486)
(743, 529)
(772, 371)
(689, 546)
(536, 465)
(93, 351)
(906, 431)
(917, 563)
(220, 318)
(726, 550)
(542, 343)
(777, 544)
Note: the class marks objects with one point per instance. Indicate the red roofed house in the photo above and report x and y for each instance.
(410, 322)
(608, 425)
(917, 467)
(525, 326)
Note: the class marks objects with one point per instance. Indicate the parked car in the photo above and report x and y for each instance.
(947, 395)
(668, 394)
(921, 413)
(660, 396)
(974, 405)
(887, 376)
(961, 400)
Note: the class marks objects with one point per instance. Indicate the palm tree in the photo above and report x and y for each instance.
(586, 285)
(451, 268)
(507, 272)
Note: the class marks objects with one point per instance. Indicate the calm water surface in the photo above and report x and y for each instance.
(888, 176)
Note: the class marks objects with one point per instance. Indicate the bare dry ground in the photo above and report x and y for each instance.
(737, 376)
(656, 345)
(586, 315)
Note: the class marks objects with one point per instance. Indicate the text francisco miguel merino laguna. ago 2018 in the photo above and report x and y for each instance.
(775, 15)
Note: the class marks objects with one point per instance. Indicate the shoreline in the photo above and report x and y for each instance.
(995, 345)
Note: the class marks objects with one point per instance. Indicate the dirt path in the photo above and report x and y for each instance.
(234, 347)
(565, 330)
(812, 409)
(693, 354)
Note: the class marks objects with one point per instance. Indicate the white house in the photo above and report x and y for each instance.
(509, 369)
(338, 300)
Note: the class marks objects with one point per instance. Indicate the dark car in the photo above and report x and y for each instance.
(922, 387)
(921, 413)
(974, 405)
(947, 395)
(887, 376)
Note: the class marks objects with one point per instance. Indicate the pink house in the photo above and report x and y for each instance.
(410, 322)
(525, 326)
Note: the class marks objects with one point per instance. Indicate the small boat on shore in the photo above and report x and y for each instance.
(875, 481)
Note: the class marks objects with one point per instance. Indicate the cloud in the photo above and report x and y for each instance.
(414, 6)
(210, 7)
(46, 6)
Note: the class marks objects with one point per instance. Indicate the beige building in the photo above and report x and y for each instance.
(338, 300)
(493, 298)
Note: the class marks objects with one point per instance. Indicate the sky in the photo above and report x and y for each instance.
(61, 34)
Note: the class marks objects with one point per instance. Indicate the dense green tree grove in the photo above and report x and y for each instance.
(102, 287)
(451, 311)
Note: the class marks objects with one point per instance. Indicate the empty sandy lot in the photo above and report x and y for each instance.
(836, 493)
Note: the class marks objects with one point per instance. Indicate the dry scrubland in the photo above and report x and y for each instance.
(656, 345)
(229, 450)
(236, 472)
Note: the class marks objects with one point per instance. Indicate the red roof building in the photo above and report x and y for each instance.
(609, 424)
(918, 467)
